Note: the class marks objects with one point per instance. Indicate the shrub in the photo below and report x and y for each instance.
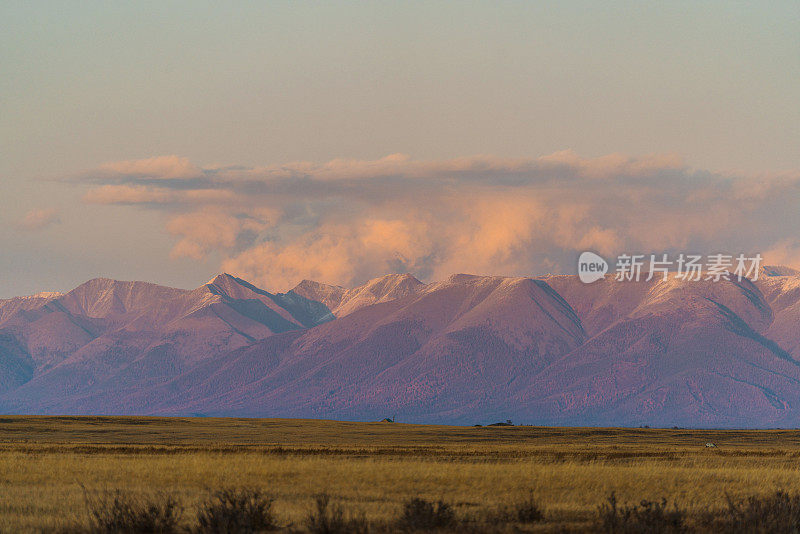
(528, 511)
(774, 514)
(419, 514)
(236, 511)
(330, 519)
(647, 517)
(524, 511)
(121, 513)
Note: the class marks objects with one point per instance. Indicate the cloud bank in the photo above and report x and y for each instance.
(38, 219)
(345, 221)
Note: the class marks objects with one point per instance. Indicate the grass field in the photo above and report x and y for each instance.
(48, 464)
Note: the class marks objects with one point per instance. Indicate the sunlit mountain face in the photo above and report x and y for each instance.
(464, 350)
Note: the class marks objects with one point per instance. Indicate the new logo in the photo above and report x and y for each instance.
(591, 267)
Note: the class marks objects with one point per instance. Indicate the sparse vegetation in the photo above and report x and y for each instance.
(122, 513)
(524, 511)
(330, 518)
(247, 511)
(647, 517)
(240, 511)
(422, 515)
(527, 510)
(371, 470)
(778, 513)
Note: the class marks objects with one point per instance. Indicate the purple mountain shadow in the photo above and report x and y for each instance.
(470, 349)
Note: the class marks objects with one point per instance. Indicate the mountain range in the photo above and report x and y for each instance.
(470, 349)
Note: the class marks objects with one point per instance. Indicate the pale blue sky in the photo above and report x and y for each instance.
(265, 83)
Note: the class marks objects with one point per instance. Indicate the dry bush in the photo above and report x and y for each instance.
(774, 514)
(236, 511)
(121, 513)
(647, 517)
(524, 511)
(327, 518)
(527, 510)
(419, 514)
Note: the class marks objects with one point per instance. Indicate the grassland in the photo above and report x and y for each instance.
(48, 463)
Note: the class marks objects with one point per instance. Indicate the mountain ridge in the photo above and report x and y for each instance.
(471, 348)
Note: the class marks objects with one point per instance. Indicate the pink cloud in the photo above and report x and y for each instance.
(163, 167)
(147, 194)
(211, 229)
(785, 252)
(345, 221)
(128, 194)
(38, 219)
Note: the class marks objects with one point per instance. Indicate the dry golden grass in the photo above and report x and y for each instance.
(374, 467)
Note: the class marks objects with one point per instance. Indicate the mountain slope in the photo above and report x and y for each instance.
(343, 301)
(687, 353)
(468, 349)
(664, 352)
(439, 349)
(119, 337)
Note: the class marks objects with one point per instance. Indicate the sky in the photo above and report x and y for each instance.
(168, 141)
